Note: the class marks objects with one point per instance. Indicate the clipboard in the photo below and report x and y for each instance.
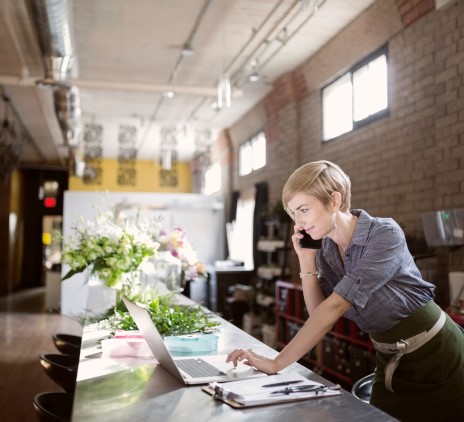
(231, 403)
(250, 393)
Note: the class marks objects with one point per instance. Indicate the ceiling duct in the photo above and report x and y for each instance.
(67, 110)
(52, 21)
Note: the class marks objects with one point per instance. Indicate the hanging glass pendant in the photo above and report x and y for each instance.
(224, 92)
(11, 143)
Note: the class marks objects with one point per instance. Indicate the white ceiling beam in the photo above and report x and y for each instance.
(160, 88)
(124, 86)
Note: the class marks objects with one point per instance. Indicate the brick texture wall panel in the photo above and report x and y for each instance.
(401, 166)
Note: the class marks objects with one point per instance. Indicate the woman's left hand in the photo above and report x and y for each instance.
(248, 357)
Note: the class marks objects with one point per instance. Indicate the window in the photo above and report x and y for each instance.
(212, 180)
(252, 154)
(240, 231)
(357, 97)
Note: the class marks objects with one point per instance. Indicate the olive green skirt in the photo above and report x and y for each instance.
(429, 382)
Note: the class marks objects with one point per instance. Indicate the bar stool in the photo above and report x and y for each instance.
(53, 406)
(67, 344)
(62, 369)
(362, 389)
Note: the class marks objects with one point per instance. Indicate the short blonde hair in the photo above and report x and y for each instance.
(319, 179)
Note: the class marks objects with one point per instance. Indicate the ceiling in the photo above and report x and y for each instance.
(125, 57)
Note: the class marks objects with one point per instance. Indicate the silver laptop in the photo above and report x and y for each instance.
(189, 370)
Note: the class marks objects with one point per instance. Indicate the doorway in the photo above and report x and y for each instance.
(43, 192)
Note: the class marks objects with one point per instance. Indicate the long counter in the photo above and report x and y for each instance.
(139, 389)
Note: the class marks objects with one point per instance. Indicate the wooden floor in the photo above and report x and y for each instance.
(26, 330)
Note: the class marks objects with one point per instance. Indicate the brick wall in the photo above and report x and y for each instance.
(401, 166)
(412, 10)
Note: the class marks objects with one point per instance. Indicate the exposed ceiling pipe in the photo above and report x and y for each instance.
(291, 12)
(254, 35)
(188, 43)
(143, 87)
(52, 21)
(262, 41)
(292, 34)
(201, 91)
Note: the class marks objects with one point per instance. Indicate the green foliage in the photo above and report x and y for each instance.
(169, 318)
(109, 246)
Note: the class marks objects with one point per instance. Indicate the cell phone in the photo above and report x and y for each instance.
(309, 242)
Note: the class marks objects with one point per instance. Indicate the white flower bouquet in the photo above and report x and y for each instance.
(111, 247)
(114, 247)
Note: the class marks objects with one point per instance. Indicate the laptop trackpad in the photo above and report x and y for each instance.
(240, 371)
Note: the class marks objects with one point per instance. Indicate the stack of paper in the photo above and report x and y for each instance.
(272, 389)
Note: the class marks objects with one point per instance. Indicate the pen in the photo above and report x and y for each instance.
(280, 384)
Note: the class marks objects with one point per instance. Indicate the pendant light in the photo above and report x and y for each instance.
(11, 143)
(224, 96)
(224, 92)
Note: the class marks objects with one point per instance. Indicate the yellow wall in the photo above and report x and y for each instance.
(15, 187)
(147, 179)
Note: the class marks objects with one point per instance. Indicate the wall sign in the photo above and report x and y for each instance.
(127, 156)
(93, 154)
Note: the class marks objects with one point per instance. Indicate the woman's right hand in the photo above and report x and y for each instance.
(301, 252)
(248, 357)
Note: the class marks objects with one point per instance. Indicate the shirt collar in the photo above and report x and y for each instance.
(363, 225)
(360, 234)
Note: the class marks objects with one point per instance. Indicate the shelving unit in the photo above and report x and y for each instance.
(259, 320)
(346, 353)
(275, 264)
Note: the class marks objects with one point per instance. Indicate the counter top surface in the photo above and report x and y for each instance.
(129, 388)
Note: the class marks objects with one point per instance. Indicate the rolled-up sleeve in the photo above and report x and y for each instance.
(353, 291)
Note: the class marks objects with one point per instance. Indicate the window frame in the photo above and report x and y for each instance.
(351, 71)
(249, 144)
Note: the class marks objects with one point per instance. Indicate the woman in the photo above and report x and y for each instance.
(365, 272)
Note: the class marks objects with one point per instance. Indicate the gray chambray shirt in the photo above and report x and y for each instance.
(380, 278)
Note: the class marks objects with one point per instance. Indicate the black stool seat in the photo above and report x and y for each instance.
(61, 368)
(362, 389)
(67, 343)
(53, 406)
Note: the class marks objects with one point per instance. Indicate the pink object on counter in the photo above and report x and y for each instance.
(128, 334)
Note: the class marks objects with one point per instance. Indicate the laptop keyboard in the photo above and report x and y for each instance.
(198, 368)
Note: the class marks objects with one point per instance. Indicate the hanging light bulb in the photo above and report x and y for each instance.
(224, 92)
(254, 77)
